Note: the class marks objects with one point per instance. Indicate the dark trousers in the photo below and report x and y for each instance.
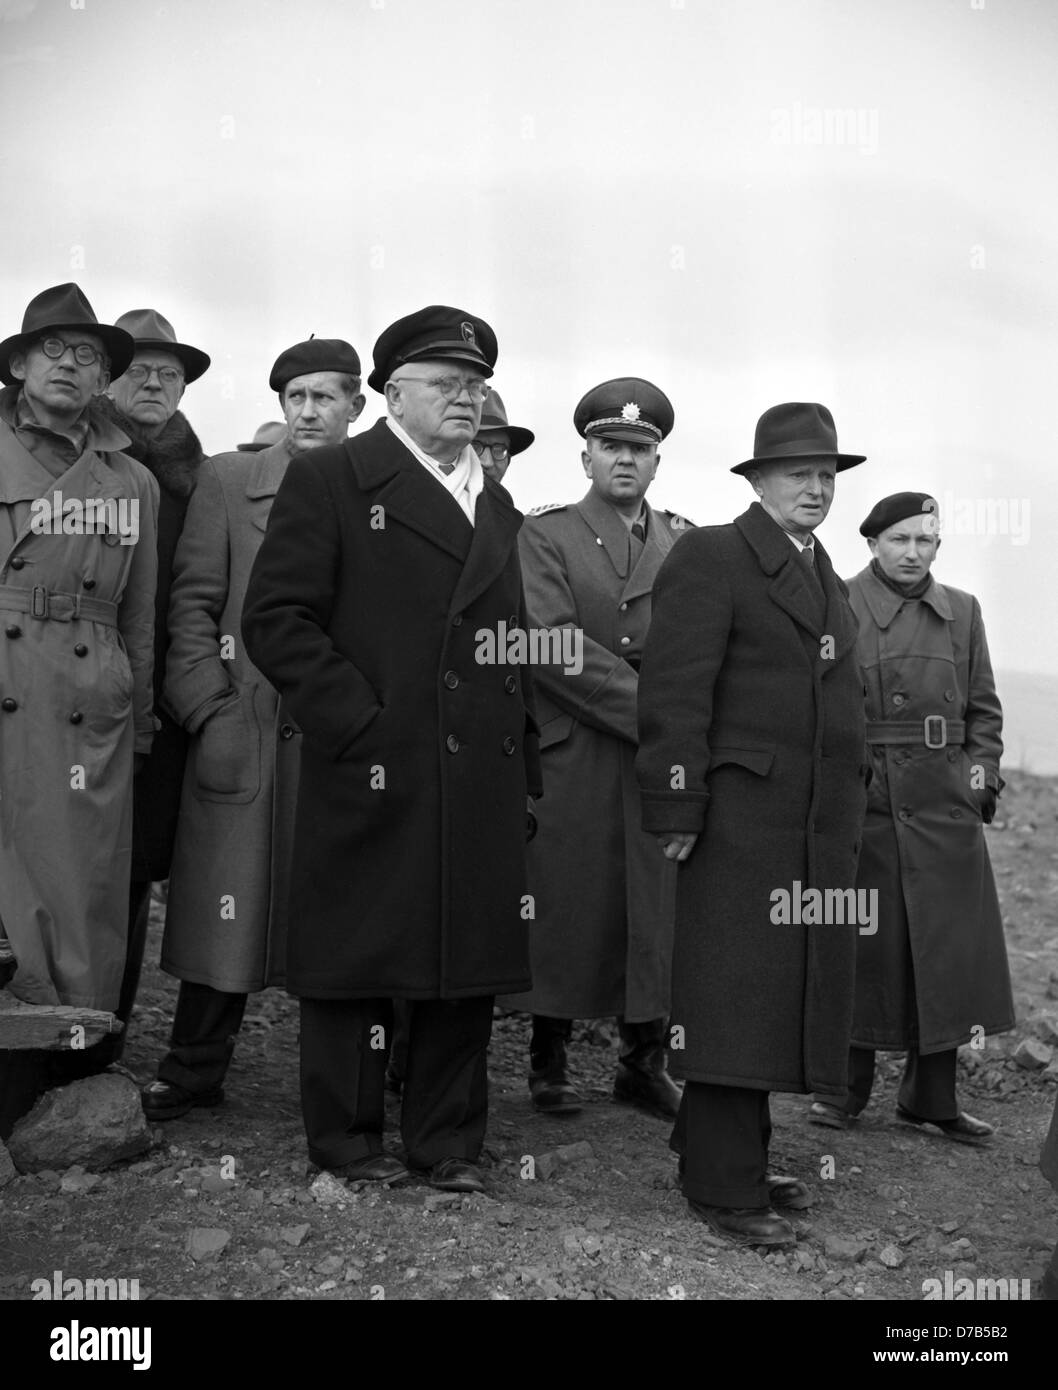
(722, 1134)
(927, 1087)
(444, 1101)
(205, 1026)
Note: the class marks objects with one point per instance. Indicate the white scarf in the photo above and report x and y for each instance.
(466, 480)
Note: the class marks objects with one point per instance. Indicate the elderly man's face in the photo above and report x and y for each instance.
(493, 448)
(60, 386)
(319, 408)
(907, 549)
(796, 494)
(150, 390)
(620, 470)
(438, 404)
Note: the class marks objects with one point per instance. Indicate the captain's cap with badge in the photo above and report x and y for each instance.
(436, 333)
(625, 408)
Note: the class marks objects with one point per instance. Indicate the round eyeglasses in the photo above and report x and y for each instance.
(84, 354)
(498, 451)
(140, 372)
(452, 387)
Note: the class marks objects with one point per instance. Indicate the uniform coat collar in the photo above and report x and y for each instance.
(884, 604)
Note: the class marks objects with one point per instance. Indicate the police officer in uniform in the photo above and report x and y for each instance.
(603, 905)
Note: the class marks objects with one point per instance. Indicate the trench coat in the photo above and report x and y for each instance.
(937, 966)
(364, 609)
(75, 704)
(605, 899)
(225, 921)
(752, 735)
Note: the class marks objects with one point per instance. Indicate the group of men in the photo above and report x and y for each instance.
(348, 798)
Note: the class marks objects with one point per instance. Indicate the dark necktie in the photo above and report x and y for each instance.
(808, 555)
(446, 468)
(639, 531)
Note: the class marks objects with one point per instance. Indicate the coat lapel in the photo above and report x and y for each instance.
(841, 622)
(778, 557)
(266, 474)
(609, 530)
(496, 525)
(659, 542)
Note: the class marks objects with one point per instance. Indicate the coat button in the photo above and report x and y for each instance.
(8, 705)
(286, 731)
(17, 563)
(899, 699)
(77, 717)
(625, 641)
(457, 621)
(89, 583)
(904, 813)
(956, 814)
(451, 679)
(509, 745)
(952, 754)
(452, 743)
(512, 621)
(80, 650)
(510, 685)
(624, 608)
(13, 630)
(949, 695)
(598, 540)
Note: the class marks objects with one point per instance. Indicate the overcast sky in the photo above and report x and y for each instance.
(745, 202)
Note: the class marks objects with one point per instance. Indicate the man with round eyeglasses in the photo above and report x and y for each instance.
(385, 559)
(497, 442)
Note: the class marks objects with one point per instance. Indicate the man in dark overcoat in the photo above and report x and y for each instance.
(604, 898)
(385, 561)
(935, 973)
(752, 743)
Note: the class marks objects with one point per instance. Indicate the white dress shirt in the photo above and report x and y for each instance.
(466, 479)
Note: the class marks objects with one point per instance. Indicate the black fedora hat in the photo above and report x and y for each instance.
(798, 429)
(65, 306)
(494, 417)
(150, 330)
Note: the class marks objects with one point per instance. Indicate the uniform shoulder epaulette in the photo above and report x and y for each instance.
(677, 522)
(547, 507)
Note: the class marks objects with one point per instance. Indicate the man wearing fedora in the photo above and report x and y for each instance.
(601, 938)
(77, 576)
(752, 770)
(143, 403)
(225, 922)
(385, 560)
(934, 975)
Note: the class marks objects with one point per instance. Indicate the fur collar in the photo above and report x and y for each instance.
(173, 456)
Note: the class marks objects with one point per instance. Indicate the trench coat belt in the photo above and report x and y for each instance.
(51, 605)
(935, 731)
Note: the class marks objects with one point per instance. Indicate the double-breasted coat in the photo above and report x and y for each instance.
(752, 735)
(604, 898)
(225, 922)
(365, 608)
(937, 966)
(76, 648)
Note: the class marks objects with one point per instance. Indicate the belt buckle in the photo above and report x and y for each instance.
(940, 719)
(38, 602)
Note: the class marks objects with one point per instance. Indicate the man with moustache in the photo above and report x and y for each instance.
(751, 764)
(384, 560)
(225, 920)
(601, 940)
(934, 975)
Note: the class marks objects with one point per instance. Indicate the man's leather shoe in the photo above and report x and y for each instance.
(652, 1090)
(553, 1094)
(787, 1194)
(747, 1225)
(964, 1129)
(373, 1168)
(821, 1112)
(162, 1100)
(456, 1175)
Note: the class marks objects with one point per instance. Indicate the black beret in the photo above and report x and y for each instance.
(316, 355)
(436, 332)
(625, 408)
(898, 507)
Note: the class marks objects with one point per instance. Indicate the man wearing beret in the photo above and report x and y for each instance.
(934, 975)
(752, 769)
(386, 560)
(603, 897)
(77, 577)
(225, 921)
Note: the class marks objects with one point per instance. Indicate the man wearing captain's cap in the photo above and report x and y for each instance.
(385, 559)
(603, 898)
(934, 975)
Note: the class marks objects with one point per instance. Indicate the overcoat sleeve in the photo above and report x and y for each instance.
(984, 714)
(685, 648)
(291, 596)
(197, 680)
(603, 693)
(136, 615)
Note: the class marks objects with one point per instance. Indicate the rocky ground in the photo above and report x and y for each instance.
(578, 1208)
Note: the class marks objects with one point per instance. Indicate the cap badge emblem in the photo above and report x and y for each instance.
(467, 330)
(630, 411)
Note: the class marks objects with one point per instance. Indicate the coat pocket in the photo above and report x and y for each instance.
(556, 730)
(758, 760)
(227, 752)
